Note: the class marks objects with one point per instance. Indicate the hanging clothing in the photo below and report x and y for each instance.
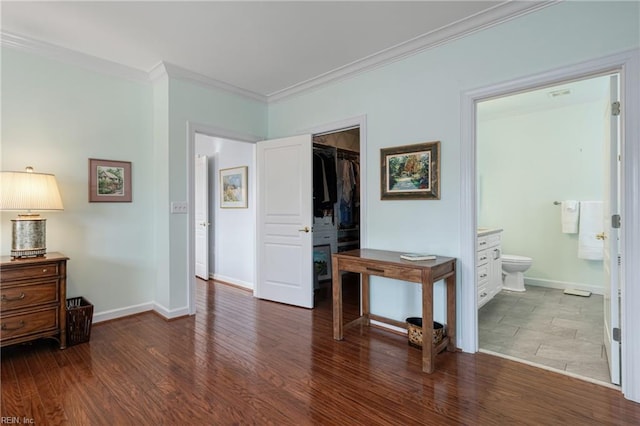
(324, 181)
(348, 179)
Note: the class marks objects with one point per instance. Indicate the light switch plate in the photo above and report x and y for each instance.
(179, 207)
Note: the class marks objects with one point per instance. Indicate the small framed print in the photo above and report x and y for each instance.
(233, 188)
(109, 181)
(410, 172)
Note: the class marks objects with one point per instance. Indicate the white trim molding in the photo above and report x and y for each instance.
(174, 71)
(230, 280)
(170, 313)
(628, 64)
(496, 15)
(488, 18)
(563, 285)
(72, 57)
(122, 312)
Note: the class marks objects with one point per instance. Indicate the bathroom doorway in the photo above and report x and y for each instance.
(536, 149)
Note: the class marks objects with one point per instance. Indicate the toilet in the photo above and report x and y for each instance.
(513, 268)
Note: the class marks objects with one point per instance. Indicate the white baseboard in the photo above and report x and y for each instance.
(170, 313)
(231, 280)
(563, 285)
(122, 312)
(389, 327)
(138, 309)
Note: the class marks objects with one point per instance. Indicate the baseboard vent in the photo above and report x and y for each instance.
(573, 292)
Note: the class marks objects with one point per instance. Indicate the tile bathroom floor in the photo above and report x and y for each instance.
(547, 327)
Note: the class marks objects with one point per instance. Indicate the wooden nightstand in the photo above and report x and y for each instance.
(33, 299)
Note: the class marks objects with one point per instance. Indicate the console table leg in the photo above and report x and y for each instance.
(365, 298)
(427, 323)
(336, 284)
(451, 312)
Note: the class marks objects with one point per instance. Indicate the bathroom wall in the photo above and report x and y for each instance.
(525, 163)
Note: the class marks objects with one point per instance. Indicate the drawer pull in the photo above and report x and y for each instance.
(44, 270)
(12, 299)
(483, 295)
(483, 276)
(380, 271)
(4, 327)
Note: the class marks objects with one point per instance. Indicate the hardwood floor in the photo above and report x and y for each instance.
(241, 360)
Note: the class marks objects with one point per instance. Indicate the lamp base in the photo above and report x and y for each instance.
(19, 254)
(28, 236)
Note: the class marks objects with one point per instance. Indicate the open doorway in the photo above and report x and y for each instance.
(540, 155)
(231, 234)
(336, 205)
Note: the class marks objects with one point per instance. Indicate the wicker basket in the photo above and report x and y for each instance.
(79, 319)
(414, 331)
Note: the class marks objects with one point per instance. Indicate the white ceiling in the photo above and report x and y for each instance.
(264, 47)
(590, 89)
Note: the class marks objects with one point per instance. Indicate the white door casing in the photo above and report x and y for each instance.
(284, 218)
(201, 217)
(629, 63)
(611, 235)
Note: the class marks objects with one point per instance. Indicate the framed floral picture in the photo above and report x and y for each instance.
(109, 181)
(233, 188)
(410, 172)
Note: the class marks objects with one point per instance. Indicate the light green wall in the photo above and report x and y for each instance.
(418, 100)
(214, 108)
(55, 117)
(160, 193)
(528, 161)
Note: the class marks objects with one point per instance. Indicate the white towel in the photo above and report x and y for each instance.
(591, 224)
(569, 213)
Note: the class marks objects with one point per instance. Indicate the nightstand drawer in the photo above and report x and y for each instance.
(30, 272)
(29, 323)
(31, 295)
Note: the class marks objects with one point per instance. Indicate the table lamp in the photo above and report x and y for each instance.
(28, 192)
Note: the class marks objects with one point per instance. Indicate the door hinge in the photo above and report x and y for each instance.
(615, 221)
(616, 334)
(615, 108)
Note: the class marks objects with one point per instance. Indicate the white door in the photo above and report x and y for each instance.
(611, 236)
(201, 213)
(284, 215)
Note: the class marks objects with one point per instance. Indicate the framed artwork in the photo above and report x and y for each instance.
(410, 172)
(109, 181)
(322, 261)
(233, 188)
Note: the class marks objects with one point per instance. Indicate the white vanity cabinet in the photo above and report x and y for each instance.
(489, 265)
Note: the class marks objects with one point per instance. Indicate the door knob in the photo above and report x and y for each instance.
(305, 229)
(601, 236)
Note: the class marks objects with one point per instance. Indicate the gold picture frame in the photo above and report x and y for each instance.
(410, 172)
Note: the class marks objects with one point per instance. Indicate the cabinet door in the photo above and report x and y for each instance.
(495, 274)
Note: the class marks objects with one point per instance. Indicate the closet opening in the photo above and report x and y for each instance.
(336, 209)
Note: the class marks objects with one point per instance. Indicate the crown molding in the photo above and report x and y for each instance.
(501, 13)
(73, 57)
(480, 21)
(174, 71)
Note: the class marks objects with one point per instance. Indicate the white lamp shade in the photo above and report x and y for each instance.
(29, 191)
